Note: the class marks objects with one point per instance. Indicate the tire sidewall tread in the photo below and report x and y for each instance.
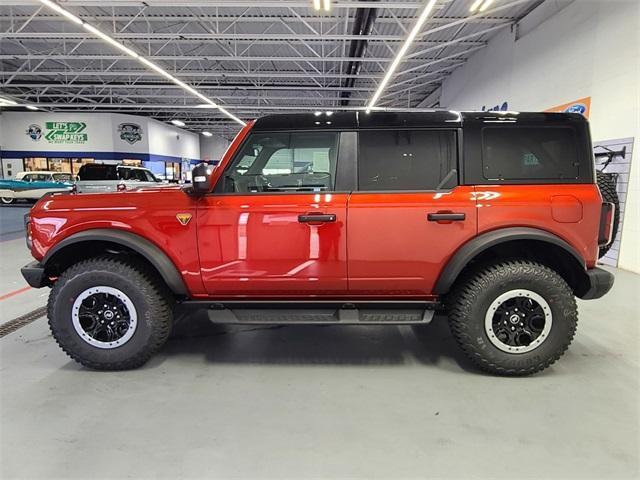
(472, 296)
(150, 297)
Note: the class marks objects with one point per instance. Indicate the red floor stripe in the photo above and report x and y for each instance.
(15, 292)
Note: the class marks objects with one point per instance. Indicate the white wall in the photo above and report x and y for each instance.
(590, 48)
(102, 134)
(212, 148)
(169, 140)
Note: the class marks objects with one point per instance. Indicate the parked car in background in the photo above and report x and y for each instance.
(33, 185)
(100, 178)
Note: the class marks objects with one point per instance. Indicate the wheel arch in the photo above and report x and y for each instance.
(95, 241)
(517, 242)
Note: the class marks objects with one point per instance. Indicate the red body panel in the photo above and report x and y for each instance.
(571, 212)
(394, 250)
(254, 245)
(149, 213)
(380, 245)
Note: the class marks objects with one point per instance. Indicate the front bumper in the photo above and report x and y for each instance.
(34, 274)
(600, 282)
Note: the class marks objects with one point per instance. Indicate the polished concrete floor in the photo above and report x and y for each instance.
(318, 402)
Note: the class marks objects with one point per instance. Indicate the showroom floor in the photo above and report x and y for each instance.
(301, 402)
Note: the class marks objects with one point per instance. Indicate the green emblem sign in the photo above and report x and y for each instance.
(66, 132)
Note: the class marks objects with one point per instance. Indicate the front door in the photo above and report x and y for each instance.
(274, 226)
(408, 216)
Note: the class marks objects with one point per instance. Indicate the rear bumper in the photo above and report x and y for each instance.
(34, 274)
(600, 282)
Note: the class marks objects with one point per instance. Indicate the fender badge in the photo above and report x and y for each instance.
(183, 218)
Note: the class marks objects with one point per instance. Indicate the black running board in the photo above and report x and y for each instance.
(317, 312)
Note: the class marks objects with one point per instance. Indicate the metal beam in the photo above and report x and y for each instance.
(336, 4)
(205, 112)
(192, 74)
(264, 18)
(212, 58)
(177, 36)
(167, 86)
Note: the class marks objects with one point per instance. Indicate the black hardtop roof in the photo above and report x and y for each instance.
(378, 119)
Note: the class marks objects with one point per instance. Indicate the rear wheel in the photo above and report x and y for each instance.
(513, 318)
(110, 312)
(7, 200)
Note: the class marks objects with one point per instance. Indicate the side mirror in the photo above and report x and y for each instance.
(202, 179)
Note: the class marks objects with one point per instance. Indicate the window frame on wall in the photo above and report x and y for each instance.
(449, 181)
(59, 161)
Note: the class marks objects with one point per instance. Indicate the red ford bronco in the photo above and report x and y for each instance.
(344, 218)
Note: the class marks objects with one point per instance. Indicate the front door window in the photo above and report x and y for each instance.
(283, 162)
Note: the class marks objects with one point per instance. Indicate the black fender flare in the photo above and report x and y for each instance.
(138, 244)
(477, 245)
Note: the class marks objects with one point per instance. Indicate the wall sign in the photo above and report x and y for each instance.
(497, 108)
(34, 132)
(66, 132)
(130, 132)
(582, 106)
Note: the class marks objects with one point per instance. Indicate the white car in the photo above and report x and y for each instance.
(101, 178)
(33, 185)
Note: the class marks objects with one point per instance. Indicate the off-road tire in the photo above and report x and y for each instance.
(609, 194)
(472, 296)
(150, 297)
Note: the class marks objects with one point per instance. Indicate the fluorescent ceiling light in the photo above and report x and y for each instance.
(403, 50)
(32, 107)
(207, 134)
(475, 5)
(327, 5)
(485, 5)
(148, 63)
(316, 4)
(178, 123)
(4, 102)
(62, 11)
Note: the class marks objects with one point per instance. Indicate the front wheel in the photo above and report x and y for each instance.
(7, 200)
(110, 312)
(513, 318)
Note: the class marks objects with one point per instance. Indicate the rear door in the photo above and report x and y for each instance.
(409, 215)
(275, 225)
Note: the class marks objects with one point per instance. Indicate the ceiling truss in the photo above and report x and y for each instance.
(254, 57)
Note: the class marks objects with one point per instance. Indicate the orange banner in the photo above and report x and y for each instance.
(582, 106)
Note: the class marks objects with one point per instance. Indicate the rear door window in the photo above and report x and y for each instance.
(413, 160)
(530, 153)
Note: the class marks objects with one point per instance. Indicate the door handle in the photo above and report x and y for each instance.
(317, 218)
(445, 217)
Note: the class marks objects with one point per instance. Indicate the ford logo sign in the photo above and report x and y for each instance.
(577, 108)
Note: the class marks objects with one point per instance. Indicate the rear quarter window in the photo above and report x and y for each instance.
(98, 172)
(530, 153)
